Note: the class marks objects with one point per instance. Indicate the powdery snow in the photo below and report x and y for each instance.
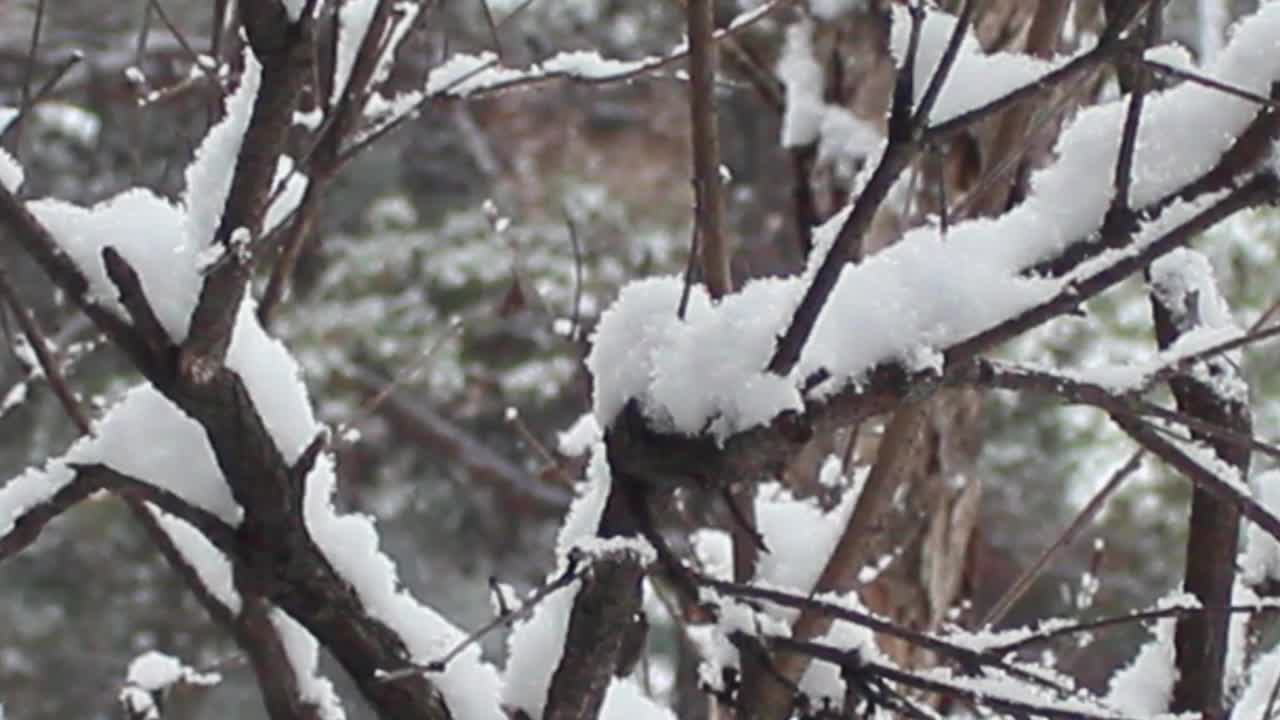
(975, 78)
(152, 673)
(923, 293)
(1145, 686)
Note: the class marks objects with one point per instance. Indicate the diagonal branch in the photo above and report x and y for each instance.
(285, 51)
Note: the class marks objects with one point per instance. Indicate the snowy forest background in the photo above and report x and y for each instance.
(451, 276)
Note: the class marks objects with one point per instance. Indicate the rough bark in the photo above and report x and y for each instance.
(1200, 640)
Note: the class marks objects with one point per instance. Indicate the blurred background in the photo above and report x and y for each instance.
(466, 257)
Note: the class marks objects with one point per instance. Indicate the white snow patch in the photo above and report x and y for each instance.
(303, 651)
(11, 175)
(353, 24)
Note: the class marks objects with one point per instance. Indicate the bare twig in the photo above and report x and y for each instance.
(48, 364)
(705, 139)
(572, 571)
(1082, 518)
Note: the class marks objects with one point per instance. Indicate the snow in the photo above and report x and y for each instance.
(209, 176)
(150, 674)
(796, 559)
(353, 23)
(10, 172)
(183, 463)
(1185, 276)
(589, 65)
(210, 564)
(822, 680)
(1254, 701)
(303, 652)
(842, 137)
(294, 8)
(288, 187)
(580, 436)
(274, 381)
(975, 78)
(923, 293)
(29, 489)
(1145, 686)
(625, 700)
(536, 645)
(832, 9)
(405, 15)
(1261, 560)
(148, 233)
(470, 685)
(802, 76)
(465, 74)
(165, 244)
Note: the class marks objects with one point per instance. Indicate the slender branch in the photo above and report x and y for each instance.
(1065, 538)
(1061, 631)
(705, 139)
(39, 345)
(572, 572)
(897, 155)
(43, 92)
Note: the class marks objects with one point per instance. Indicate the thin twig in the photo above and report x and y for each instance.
(177, 34)
(575, 317)
(28, 76)
(25, 109)
(1103, 623)
(572, 572)
(1082, 518)
(1197, 78)
(364, 412)
(493, 29)
(48, 364)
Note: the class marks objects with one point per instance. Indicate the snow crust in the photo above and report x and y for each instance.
(926, 292)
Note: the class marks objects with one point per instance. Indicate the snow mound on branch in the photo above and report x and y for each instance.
(706, 373)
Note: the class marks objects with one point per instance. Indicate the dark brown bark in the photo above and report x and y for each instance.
(603, 616)
(1200, 641)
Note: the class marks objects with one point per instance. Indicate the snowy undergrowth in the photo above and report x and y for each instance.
(925, 293)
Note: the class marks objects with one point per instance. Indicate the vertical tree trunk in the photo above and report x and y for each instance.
(1184, 299)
